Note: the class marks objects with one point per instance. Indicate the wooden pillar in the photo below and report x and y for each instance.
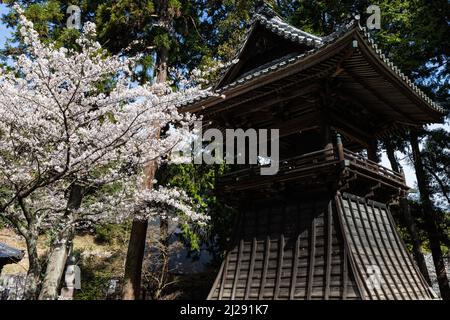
(372, 150)
(340, 147)
(327, 141)
(324, 120)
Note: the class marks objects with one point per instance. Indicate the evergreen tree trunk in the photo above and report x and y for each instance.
(58, 257)
(164, 260)
(417, 249)
(162, 65)
(133, 265)
(131, 289)
(406, 212)
(390, 152)
(430, 221)
(161, 73)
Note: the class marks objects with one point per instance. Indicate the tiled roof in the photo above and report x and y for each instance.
(378, 252)
(286, 61)
(7, 252)
(285, 30)
(275, 24)
(323, 247)
(289, 33)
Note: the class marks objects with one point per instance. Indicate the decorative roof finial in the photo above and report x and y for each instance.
(262, 7)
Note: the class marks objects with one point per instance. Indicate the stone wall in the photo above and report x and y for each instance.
(12, 286)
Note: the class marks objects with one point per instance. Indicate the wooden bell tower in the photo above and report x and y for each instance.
(321, 227)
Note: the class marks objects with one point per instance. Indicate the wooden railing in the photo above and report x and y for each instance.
(318, 160)
(372, 167)
(309, 161)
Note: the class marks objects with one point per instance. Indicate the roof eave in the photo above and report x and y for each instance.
(399, 78)
(369, 48)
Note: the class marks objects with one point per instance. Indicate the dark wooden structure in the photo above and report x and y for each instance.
(9, 255)
(320, 228)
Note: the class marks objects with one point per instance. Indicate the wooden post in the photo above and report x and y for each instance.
(324, 120)
(327, 142)
(326, 138)
(340, 148)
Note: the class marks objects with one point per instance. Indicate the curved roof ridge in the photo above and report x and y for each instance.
(287, 31)
(280, 24)
(353, 23)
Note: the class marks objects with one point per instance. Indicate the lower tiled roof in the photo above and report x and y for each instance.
(320, 247)
(7, 252)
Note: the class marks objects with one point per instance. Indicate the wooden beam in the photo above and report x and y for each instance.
(329, 248)
(349, 129)
(378, 95)
(369, 251)
(295, 256)
(408, 260)
(238, 267)
(248, 287)
(368, 109)
(379, 65)
(294, 92)
(339, 67)
(239, 100)
(265, 267)
(312, 255)
(279, 266)
(224, 276)
(344, 272)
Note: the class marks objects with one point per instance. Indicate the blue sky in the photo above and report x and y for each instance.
(4, 32)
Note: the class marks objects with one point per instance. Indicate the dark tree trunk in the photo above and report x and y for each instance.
(135, 256)
(131, 289)
(34, 270)
(162, 64)
(430, 220)
(391, 156)
(417, 251)
(58, 256)
(372, 150)
(133, 266)
(406, 212)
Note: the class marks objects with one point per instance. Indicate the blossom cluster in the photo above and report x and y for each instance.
(75, 117)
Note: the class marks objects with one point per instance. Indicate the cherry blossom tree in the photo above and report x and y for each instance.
(75, 135)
